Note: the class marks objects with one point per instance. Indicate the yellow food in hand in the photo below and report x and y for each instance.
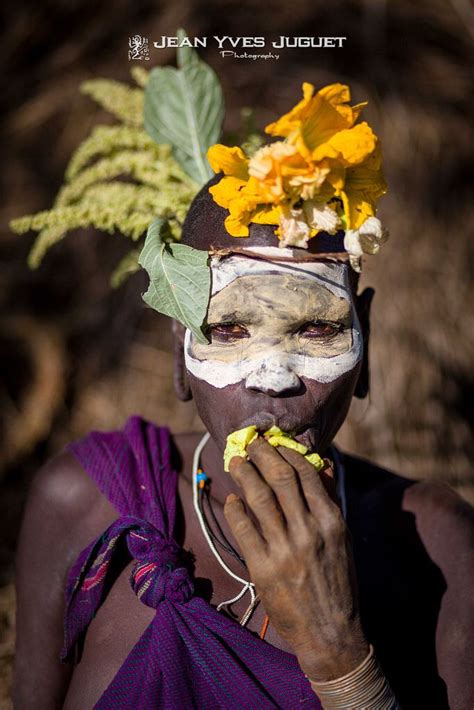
(238, 441)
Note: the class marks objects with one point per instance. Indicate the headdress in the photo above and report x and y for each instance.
(323, 174)
(319, 180)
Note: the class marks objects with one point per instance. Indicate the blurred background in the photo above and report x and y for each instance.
(76, 355)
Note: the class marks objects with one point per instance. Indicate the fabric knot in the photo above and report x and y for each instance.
(160, 571)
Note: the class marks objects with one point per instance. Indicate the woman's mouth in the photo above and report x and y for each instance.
(263, 421)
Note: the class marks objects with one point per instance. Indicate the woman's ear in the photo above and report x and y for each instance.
(363, 303)
(180, 376)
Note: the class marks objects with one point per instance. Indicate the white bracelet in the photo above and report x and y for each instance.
(364, 688)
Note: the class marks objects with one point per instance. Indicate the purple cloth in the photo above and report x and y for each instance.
(190, 655)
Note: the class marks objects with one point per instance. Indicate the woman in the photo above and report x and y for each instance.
(340, 565)
(289, 573)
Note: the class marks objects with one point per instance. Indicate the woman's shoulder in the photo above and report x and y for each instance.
(65, 501)
(106, 473)
(66, 493)
(62, 482)
(441, 516)
(368, 476)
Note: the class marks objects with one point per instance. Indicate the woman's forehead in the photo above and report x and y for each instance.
(277, 296)
(303, 276)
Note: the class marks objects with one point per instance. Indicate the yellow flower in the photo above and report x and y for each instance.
(363, 186)
(325, 175)
(298, 225)
(321, 216)
(231, 161)
(272, 166)
(278, 176)
(294, 229)
(350, 146)
(284, 174)
(244, 202)
(226, 190)
(328, 107)
(237, 223)
(321, 126)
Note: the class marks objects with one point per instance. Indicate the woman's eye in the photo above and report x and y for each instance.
(320, 329)
(228, 331)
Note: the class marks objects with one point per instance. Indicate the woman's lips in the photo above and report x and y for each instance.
(303, 433)
(264, 420)
(261, 420)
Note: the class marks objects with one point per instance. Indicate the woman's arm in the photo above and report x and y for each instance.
(64, 512)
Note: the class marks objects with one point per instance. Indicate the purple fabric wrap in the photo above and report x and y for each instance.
(190, 656)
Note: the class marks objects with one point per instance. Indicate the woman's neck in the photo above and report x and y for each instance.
(212, 462)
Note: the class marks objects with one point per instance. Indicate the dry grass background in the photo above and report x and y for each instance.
(75, 356)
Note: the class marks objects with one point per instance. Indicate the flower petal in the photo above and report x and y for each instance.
(352, 145)
(321, 216)
(237, 223)
(357, 207)
(365, 240)
(290, 121)
(226, 190)
(372, 235)
(231, 161)
(294, 229)
(266, 215)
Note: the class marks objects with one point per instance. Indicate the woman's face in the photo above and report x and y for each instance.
(285, 349)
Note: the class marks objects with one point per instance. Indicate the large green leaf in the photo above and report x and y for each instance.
(184, 54)
(180, 279)
(185, 107)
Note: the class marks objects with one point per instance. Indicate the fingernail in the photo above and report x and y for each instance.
(233, 465)
(231, 498)
(329, 468)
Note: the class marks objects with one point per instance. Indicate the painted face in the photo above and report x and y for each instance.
(286, 349)
(271, 324)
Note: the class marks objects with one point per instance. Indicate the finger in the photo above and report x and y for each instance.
(329, 480)
(242, 528)
(259, 497)
(316, 489)
(326, 474)
(281, 477)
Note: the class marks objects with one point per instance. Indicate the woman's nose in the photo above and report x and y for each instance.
(272, 376)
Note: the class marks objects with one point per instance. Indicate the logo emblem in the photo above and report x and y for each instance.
(138, 48)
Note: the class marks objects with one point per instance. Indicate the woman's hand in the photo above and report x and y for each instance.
(300, 560)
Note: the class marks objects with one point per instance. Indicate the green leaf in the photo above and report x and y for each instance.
(184, 107)
(180, 279)
(185, 55)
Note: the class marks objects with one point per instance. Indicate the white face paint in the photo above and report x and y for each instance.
(272, 323)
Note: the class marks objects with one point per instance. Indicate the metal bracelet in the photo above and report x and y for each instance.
(364, 688)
